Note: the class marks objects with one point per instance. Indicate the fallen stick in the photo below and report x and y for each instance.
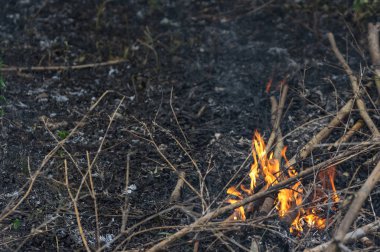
(358, 125)
(213, 214)
(355, 87)
(350, 237)
(174, 197)
(374, 51)
(355, 207)
(280, 142)
(325, 132)
(61, 68)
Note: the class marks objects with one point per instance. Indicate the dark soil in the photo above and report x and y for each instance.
(194, 82)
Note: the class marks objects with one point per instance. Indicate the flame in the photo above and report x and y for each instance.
(233, 191)
(327, 177)
(239, 212)
(313, 220)
(288, 199)
(331, 174)
(268, 85)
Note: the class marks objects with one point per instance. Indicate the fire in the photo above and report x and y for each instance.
(289, 200)
(268, 85)
(329, 176)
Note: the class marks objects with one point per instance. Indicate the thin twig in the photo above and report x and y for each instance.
(75, 206)
(125, 210)
(176, 119)
(93, 196)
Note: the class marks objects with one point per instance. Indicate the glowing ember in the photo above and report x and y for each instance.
(266, 167)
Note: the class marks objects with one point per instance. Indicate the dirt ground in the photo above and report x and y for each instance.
(188, 92)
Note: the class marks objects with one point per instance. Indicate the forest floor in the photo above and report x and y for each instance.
(183, 86)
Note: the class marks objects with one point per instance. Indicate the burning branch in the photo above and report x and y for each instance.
(355, 207)
(276, 132)
(213, 214)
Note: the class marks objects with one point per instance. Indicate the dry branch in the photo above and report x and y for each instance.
(355, 87)
(355, 207)
(62, 68)
(350, 237)
(277, 121)
(213, 214)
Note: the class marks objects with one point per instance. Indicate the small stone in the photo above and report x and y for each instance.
(217, 136)
(60, 98)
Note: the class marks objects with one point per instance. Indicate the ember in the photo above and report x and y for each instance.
(288, 200)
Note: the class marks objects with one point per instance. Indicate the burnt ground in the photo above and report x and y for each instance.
(193, 85)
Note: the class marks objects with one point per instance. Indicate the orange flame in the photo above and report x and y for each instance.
(330, 174)
(313, 220)
(239, 212)
(288, 199)
(268, 85)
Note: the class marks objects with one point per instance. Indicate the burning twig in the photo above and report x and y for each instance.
(177, 190)
(355, 207)
(276, 113)
(374, 50)
(213, 214)
(355, 87)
